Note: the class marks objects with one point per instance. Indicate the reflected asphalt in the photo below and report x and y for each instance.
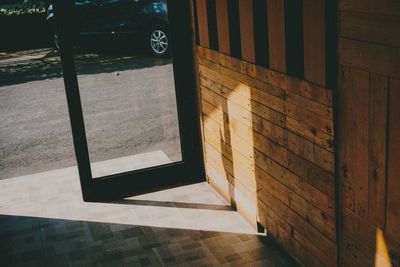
(128, 102)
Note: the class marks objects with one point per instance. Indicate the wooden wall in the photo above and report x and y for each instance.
(267, 121)
(268, 75)
(369, 132)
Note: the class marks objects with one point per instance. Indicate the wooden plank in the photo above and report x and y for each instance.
(310, 118)
(285, 83)
(371, 57)
(311, 91)
(268, 114)
(223, 26)
(288, 237)
(310, 133)
(202, 22)
(239, 173)
(309, 105)
(378, 93)
(270, 148)
(393, 174)
(312, 174)
(370, 28)
(228, 107)
(235, 126)
(247, 30)
(353, 253)
(313, 153)
(226, 81)
(383, 7)
(213, 171)
(314, 41)
(302, 226)
(266, 184)
(270, 130)
(353, 134)
(295, 183)
(276, 35)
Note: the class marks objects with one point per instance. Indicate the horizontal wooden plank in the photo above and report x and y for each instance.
(306, 89)
(310, 133)
(244, 205)
(384, 7)
(288, 237)
(295, 183)
(228, 107)
(286, 107)
(270, 148)
(311, 91)
(316, 217)
(325, 245)
(270, 130)
(306, 149)
(373, 28)
(312, 119)
(370, 57)
(239, 173)
(311, 173)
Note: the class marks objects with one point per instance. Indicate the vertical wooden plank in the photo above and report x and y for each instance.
(314, 41)
(202, 22)
(223, 26)
(247, 30)
(393, 171)
(353, 135)
(276, 35)
(377, 149)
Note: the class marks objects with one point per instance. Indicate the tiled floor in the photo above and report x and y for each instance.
(44, 222)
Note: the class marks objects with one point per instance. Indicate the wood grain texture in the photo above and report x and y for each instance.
(393, 194)
(368, 27)
(223, 26)
(202, 22)
(371, 57)
(247, 30)
(314, 41)
(353, 134)
(369, 149)
(378, 98)
(382, 7)
(276, 35)
(254, 122)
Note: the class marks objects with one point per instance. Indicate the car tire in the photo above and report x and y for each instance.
(158, 41)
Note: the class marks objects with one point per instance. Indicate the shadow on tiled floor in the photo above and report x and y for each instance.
(44, 222)
(30, 241)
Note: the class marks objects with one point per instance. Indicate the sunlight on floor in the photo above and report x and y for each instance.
(56, 194)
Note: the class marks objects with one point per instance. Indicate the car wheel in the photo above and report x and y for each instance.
(159, 41)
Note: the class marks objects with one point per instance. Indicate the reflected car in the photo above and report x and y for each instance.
(145, 20)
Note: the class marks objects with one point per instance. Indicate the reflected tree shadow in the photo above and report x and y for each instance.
(22, 67)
